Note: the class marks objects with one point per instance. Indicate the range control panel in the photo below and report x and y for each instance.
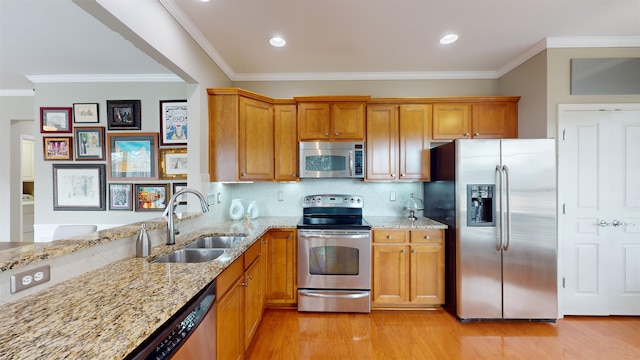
(333, 200)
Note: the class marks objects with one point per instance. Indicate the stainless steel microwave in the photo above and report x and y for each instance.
(324, 159)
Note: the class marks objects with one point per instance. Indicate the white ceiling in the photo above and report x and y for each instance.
(326, 39)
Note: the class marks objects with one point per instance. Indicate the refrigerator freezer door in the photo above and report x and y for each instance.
(478, 261)
(529, 263)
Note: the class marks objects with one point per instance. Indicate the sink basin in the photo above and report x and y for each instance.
(190, 256)
(215, 242)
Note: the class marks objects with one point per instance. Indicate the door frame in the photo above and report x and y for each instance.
(559, 136)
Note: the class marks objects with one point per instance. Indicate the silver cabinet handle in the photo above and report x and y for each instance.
(326, 134)
(603, 223)
(337, 134)
(466, 134)
(427, 237)
(620, 223)
(476, 134)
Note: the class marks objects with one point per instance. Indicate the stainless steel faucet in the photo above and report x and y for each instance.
(171, 231)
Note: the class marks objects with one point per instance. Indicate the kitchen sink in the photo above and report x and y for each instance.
(190, 256)
(215, 242)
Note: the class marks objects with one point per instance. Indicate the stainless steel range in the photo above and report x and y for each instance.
(334, 255)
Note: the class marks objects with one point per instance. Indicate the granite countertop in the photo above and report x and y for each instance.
(394, 222)
(108, 312)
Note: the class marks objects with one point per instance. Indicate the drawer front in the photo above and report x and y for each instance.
(228, 277)
(426, 236)
(389, 236)
(251, 254)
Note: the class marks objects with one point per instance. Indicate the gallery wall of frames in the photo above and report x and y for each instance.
(117, 167)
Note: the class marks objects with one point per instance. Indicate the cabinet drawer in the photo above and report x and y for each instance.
(389, 236)
(228, 277)
(426, 236)
(251, 254)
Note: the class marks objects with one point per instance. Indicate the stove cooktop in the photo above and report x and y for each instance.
(334, 223)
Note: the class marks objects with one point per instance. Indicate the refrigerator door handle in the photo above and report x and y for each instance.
(498, 174)
(505, 169)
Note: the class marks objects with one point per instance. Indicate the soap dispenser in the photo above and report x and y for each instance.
(143, 244)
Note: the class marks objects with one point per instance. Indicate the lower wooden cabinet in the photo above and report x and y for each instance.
(280, 257)
(408, 268)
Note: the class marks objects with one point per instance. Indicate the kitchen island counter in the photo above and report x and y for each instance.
(396, 222)
(106, 313)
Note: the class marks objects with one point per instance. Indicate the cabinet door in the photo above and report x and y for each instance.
(348, 121)
(27, 159)
(390, 274)
(382, 142)
(229, 323)
(255, 145)
(314, 121)
(427, 274)
(494, 120)
(252, 301)
(414, 157)
(451, 121)
(281, 268)
(286, 142)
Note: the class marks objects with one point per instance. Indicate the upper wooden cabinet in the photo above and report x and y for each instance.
(241, 136)
(479, 118)
(398, 141)
(338, 118)
(286, 143)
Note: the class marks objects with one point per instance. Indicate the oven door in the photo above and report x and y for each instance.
(334, 259)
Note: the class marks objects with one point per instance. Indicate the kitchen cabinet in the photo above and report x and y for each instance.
(280, 258)
(286, 141)
(408, 268)
(398, 142)
(240, 304)
(27, 159)
(241, 140)
(476, 118)
(337, 118)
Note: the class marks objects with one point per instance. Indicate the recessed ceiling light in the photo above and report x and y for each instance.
(277, 41)
(448, 39)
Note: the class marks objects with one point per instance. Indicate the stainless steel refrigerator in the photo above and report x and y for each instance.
(499, 199)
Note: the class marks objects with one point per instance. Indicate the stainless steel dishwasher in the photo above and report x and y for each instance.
(189, 334)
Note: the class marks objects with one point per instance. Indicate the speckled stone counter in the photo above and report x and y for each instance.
(394, 222)
(107, 313)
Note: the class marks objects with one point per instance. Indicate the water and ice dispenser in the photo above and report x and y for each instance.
(481, 205)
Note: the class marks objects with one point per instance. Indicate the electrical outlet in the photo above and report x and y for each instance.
(211, 199)
(30, 278)
(392, 196)
(280, 196)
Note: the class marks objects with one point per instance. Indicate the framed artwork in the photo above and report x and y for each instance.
(151, 197)
(85, 113)
(57, 148)
(173, 164)
(133, 156)
(120, 197)
(78, 187)
(55, 119)
(89, 142)
(173, 122)
(123, 115)
(182, 200)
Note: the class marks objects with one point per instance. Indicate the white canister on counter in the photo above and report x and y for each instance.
(236, 210)
(253, 210)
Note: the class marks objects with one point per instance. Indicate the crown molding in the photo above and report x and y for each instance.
(17, 92)
(425, 75)
(592, 41)
(98, 78)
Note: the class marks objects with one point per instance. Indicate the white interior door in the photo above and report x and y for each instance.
(599, 215)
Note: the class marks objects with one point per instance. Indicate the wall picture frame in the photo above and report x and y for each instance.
(182, 200)
(55, 120)
(57, 148)
(173, 163)
(123, 115)
(133, 156)
(173, 122)
(85, 113)
(89, 142)
(120, 197)
(151, 197)
(79, 187)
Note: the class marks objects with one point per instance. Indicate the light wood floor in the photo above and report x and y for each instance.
(434, 334)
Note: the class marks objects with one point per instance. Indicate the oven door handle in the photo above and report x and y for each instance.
(342, 235)
(334, 295)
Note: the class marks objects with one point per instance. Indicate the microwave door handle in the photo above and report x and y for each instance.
(351, 163)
